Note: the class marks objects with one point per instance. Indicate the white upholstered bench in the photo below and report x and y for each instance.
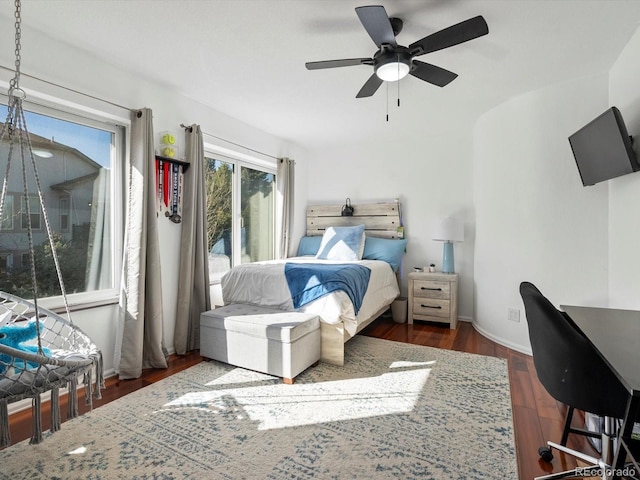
(267, 340)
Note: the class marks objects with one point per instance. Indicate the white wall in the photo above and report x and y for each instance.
(66, 65)
(512, 180)
(624, 192)
(432, 177)
(534, 219)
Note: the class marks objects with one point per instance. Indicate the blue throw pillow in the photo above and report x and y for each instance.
(342, 243)
(386, 249)
(309, 245)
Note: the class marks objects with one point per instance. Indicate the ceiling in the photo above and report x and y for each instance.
(246, 58)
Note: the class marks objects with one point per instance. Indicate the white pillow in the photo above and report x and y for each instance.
(342, 243)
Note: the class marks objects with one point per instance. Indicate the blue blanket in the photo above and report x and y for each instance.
(308, 282)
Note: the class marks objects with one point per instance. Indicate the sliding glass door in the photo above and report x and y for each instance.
(219, 186)
(257, 200)
(240, 214)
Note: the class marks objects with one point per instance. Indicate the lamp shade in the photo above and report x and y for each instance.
(448, 230)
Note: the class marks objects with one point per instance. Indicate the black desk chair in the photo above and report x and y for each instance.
(573, 373)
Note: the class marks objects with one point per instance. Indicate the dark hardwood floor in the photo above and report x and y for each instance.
(536, 416)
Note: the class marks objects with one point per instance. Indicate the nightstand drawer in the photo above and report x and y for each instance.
(431, 306)
(432, 289)
(433, 297)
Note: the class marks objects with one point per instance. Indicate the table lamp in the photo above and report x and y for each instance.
(448, 230)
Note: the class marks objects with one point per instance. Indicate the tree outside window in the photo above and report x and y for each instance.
(255, 211)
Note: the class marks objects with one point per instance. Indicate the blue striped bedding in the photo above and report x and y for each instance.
(308, 282)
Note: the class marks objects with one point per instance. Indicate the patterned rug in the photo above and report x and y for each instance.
(394, 411)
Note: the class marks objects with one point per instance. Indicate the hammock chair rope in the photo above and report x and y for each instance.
(62, 352)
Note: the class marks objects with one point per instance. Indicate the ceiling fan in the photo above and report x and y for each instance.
(393, 62)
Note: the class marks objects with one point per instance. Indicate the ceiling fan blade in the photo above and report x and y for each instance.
(370, 87)
(459, 33)
(432, 74)
(346, 62)
(376, 22)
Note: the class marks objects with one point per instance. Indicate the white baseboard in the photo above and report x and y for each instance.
(493, 338)
(502, 341)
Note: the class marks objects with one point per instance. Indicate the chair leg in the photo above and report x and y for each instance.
(576, 472)
(554, 476)
(608, 435)
(545, 452)
(596, 467)
(583, 456)
(567, 426)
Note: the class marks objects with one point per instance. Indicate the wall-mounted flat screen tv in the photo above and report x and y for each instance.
(603, 149)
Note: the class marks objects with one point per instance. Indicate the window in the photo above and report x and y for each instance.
(64, 214)
(34, 213)
(248, 197)
(6, 261)
(257, 210)
(78, 160)
(219, 187)
(7, 214)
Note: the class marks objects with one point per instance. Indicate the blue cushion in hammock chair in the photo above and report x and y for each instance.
(15, 335)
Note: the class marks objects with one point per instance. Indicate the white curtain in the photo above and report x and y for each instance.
(193, 277)
(139, 343)
(285, 179)
(99, 251)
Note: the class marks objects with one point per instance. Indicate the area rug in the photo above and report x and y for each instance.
(393, 411)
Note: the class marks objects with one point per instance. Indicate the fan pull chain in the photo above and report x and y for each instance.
(398, 80)
(387, 102)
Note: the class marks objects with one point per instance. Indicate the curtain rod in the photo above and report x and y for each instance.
(186, 127)
(132, 110)
(69, 89)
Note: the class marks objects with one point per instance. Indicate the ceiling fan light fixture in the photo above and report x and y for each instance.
(392, 64)
(392, 71)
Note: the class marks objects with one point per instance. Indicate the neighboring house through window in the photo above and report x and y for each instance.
(79, 160)
(64, 213)
(240, 213)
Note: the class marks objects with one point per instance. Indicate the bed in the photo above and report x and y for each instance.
(362, 290)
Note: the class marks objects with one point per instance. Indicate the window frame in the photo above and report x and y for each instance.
(64, 212)
(6, 260)
(8, 211)
(34, 208)
(239, 160)
(119, 127)
(25, 259)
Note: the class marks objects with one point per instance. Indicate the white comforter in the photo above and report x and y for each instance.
(264, 283)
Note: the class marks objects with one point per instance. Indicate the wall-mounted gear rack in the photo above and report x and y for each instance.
(169, 181)
(185, 165)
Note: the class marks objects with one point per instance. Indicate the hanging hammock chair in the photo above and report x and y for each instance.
(40, 351)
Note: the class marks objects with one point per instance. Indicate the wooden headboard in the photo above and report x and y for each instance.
(380, 219)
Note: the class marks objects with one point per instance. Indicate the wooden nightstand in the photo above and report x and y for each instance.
(434, 297)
